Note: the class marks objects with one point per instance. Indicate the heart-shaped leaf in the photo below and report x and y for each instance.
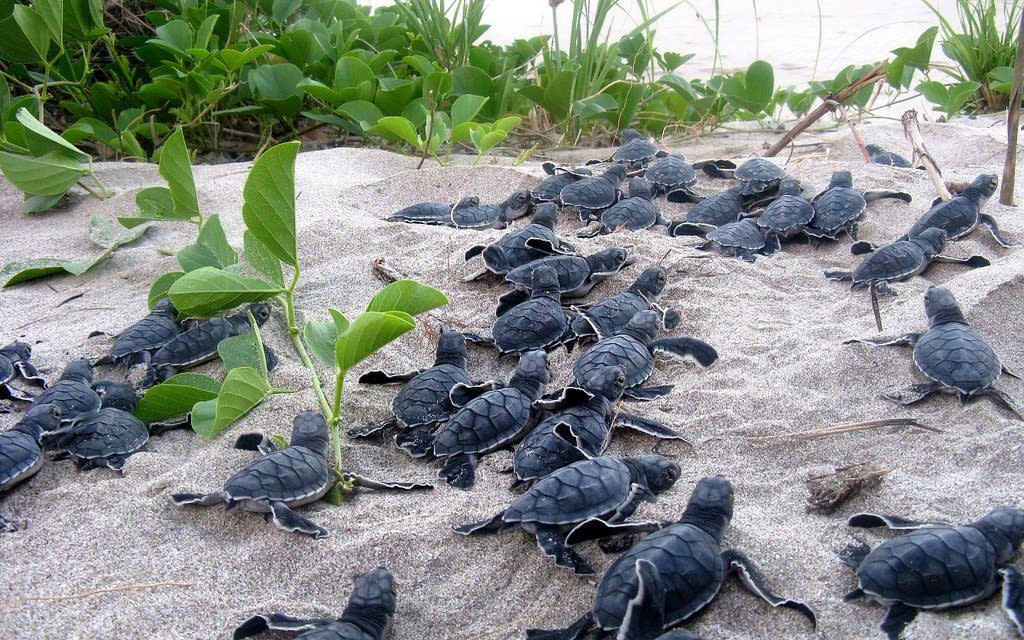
(465, 108)
(243, 389)
(397, 128)
(210, 250)
(207, 291)
(176, 169)
(407, 296)
(269, 206)
(51, 174)
(323, 336)
(161, 287)
(176, 396)
(367, 334)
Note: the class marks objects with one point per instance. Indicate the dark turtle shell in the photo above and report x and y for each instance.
(538, 323)
(786, 215)
(689, 562)
(296, 475)
(424, 399)
(485, 423)
(149, 334)
(572, 272)
(931, 568)
(671, 172)
(582, 490)
(744, 233)
(478, 217)
(892, 262)
(718, 210)
(551, 187)
(543, 451)
(624, 351)
(758, 175)
(590, 193)
(73, 397)
(107, 433)
(632, 213)
(513, 249)
(608, 316)
(21, 457)
(955, 355)
(431, 212)
(198, 344)
(636, 150)
(957, 217)
(835, 208)
(7, 370)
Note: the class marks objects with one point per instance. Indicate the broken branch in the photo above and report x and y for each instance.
(912, 129)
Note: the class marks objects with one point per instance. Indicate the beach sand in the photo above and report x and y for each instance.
(778, 325)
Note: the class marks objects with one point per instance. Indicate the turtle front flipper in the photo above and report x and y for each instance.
(483, 341)
(872, 196)
(372, 428)
(380, 377)
(509, 300)
(897, 619)
(897, 523)
(679, 228)
(862, 247)
(598, 529)
(573, 632)
(645, 612)
(1004, 398)
(914, 393)
(839, 276)
(7, 526)
(989, 223)
(905, 340)
(273, 622)
(461, 394)
(29, 373)
(973, 262)
(650, 427)
(567, 397)
(544, 245)
(854, 554)
(366, 483)
(460, 471)
(288, 520)
(552, 542)
(686, 349)
(418, 443)
(751, 577)
(646, 394)
(200, 499)
(1013, 595)
(494, 525)
(255, 442)
(592, 231)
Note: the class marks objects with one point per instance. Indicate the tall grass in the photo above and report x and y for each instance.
(448, 28)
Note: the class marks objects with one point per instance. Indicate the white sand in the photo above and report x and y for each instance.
(778, 325)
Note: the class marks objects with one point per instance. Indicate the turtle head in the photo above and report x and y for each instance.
(659, 473)
(941, 307)
(80, 370)
(640, 188)
(710, 506)
(651, 282)
(643, 326)
(164, 307)
(39, 420)
(981, 188)
(116, 395)
(873, 148)
(17, 350)
(544, 282)
(1004, 528)
(844, 178)
(607, 382)
(372, 603)
(931, 241)
(310, 430)
(518, 204)
(629, 135)
(615, 174)
(531, 374)
(790, 187)
(608, 261)
(260, 311)
(546, 214)
(451, 348)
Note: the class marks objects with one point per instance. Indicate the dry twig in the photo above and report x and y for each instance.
(814, 434)
(912, 129)
(1013, 123)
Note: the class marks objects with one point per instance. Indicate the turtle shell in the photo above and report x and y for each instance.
(836, 207)
(537, 323)
(478, 217)
(514, 248)
(590, 193)
(197, 345)
(296, 475)
(20, 458)
(758, 175)
(931, 568)
(583, 490)
(957, 217)
(671, 172)
(743, 233)
(424, 399)
(485, 423)
(718, 210)
(148, 334)
(108, 432)
(689, 562)
(625, 351)
(608, 316)
(955, 355)
(637, 150)
(542, 452)
(7, 371)
(72, 397)
(892, 262)
(550, 188)
(572, 272)
(632, 213)
(424, 212)
(786, 215)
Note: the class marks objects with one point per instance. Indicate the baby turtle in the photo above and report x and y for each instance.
(558, 178)
(939, 566)
(901, 260)
(608, 490)
(632, 214)
(595, 194)
(756, 176)
(633, 349)
(672, 173)
(286, 478)
(742, 239)
(14, 363)
(423, 401)
(492, 216)
(107, 437)
(199, 344)
(955, 357)
(492, 420)
(788, 214)
(138, 343)
(881, 156)
(839, 207)
(710, 213)
(432, 212)
(536, 323)
(670, 575)
(636, 149)
(580, 426)
(961, 215)
(72, 393)
(603, 319)
(367, 616)
(21, 450)
(534, 241)
(577, 275)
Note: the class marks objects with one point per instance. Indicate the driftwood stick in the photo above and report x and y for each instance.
(856, 136)
(1013, 123)
(912, 129)
(829, 104)
(840, 429)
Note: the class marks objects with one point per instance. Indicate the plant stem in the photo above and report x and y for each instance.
(300, 348)
(430, 132)
(335, 420)
(1013, 123)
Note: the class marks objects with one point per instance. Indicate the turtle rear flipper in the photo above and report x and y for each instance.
(273, 622)
(201, 499)
(573, 632)
(914, 393)
(840, 276)
(461, 393)
(650, 427)
(645, 612)
(905, 340)
(552, 542)
(872, 196)
(380, 377)
(30, 374)
(460, 471)
(494, 525)
(687, 349)
(897, 523)
(372, 428)
(384, 485)
(644, 394)
(1002, 397)
(989, 223)
(751, 577)
(496, 259)
(896, 620)
(544, 245)
(1013, 595)
(288, 520)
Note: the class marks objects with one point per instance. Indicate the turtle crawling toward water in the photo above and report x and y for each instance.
(107, 437)
(605, 318)
(953, 355)
(881, 156)
(367, 616)
(533, 242)
(14, 363)
(138, 343)
(592, 195)
(72, 393)
(672, 173)
(742, 239)
(756, 176)
(632, 214)
(670, 575)
(602, 489)
(962, 214)
(577, 275)
(21, 450)
(709, 214)
(939, 566)
(636, 150)
(840, 207)
(558, 178)
(789, 214)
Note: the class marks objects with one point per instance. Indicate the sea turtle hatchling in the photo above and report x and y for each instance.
(881, 156)
(72, 393)
(602, 489)
(286, 478)
(672, 173)
(710, 213)
(756, 175)
(432, 212)
(788, 214)
(670, 575)
(106, 437)
(532, 242)
(839, 207)
(577, 275)
(558, 178)
(138, 343)
(199, 343)
(367, 616)
(14, 363)
(742, 239)
(633, 213)
(580, 423)
(487, 420)
(491, 216)
(939, 566)
(901, 260)
(955, 357)
(21, 450)
(633, 349)
(636, 149)
(962, 214)
(603, 319)
(592, 195)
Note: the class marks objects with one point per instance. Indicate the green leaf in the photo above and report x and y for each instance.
(283, 9)
(52, 12)
(407, 296)
(258, 256)
(276, 86)
(243, 389)
(34, 28)
(49, 175)
(394, 93)
(368, 334)
(397, 128)
(242, 351)
(351, 72)
(465, 108)
(323, 336)
(176, 169)
(41, 139)
(595, 106)
(472, 80)
(32, 268)
(234, 60)
(269, 206)
(364, 113)
(206, 291)
(161, 286)
(210, 250)
(154, 203)
(110, 234)
(38, 204)
(176, 396)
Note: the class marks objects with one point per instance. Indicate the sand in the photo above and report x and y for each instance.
(778, 325)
